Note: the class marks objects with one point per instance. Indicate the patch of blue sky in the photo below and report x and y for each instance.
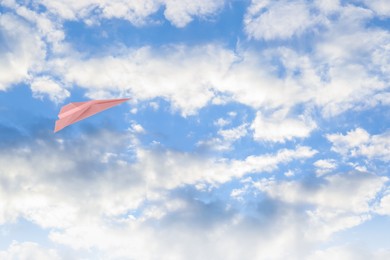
(172, 130)
(24, 119)
(4, 9)
(382, 22)
(369, 235)
(23, 230)
(113, 119)
(373, 120)
(23, 115)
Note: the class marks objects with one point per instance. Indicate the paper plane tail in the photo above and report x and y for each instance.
(60, 124)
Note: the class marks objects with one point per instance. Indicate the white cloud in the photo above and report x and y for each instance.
(183, 75)
(235, 133)
(45, 26)
(28, 250)
(183, 168)
(277, 19)
(120, 210)
(213, 238)
(349, 60)
(325, 166)
(381, 7)
(332, 77)
(90, 193)
(21, 51)
(42, 86)
(336, 76)
(289, 173)
(327, 5)
(333, 193)
(383, 206)
(359, 142)
(269, 162)
(279, 127)
(43, 174)
(343, 253)
(226, 138)
(154, 105)
(181, 12)
(85, 199)
(222, 122)
(65, 165)
(189, 77)
(334, 208)
(214, 144)
(137, 128)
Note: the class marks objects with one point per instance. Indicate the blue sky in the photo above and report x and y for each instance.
(256, 129)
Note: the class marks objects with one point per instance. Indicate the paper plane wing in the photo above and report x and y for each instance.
(77, 111)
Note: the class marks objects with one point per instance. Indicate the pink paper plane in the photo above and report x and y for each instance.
(76, 111)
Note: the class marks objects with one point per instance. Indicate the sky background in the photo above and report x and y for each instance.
(256, 129)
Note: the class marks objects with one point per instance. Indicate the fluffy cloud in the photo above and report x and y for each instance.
(348, 62)
(383, 207)
(338, 75)
(21, 50)
(353, 69)
(87, 195)
(359, 142)
(180, 13)
(46, 86)
(334, 208)
(276, 19)
(196, 233)
(43, 25)
(35, 196)
(233, 133)
(106, 193)
(60, 166)
(333, 192)
(327, 5)
(189, 77)
(381, 7)
(182, 75)
(324, 166)
(278, 127)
